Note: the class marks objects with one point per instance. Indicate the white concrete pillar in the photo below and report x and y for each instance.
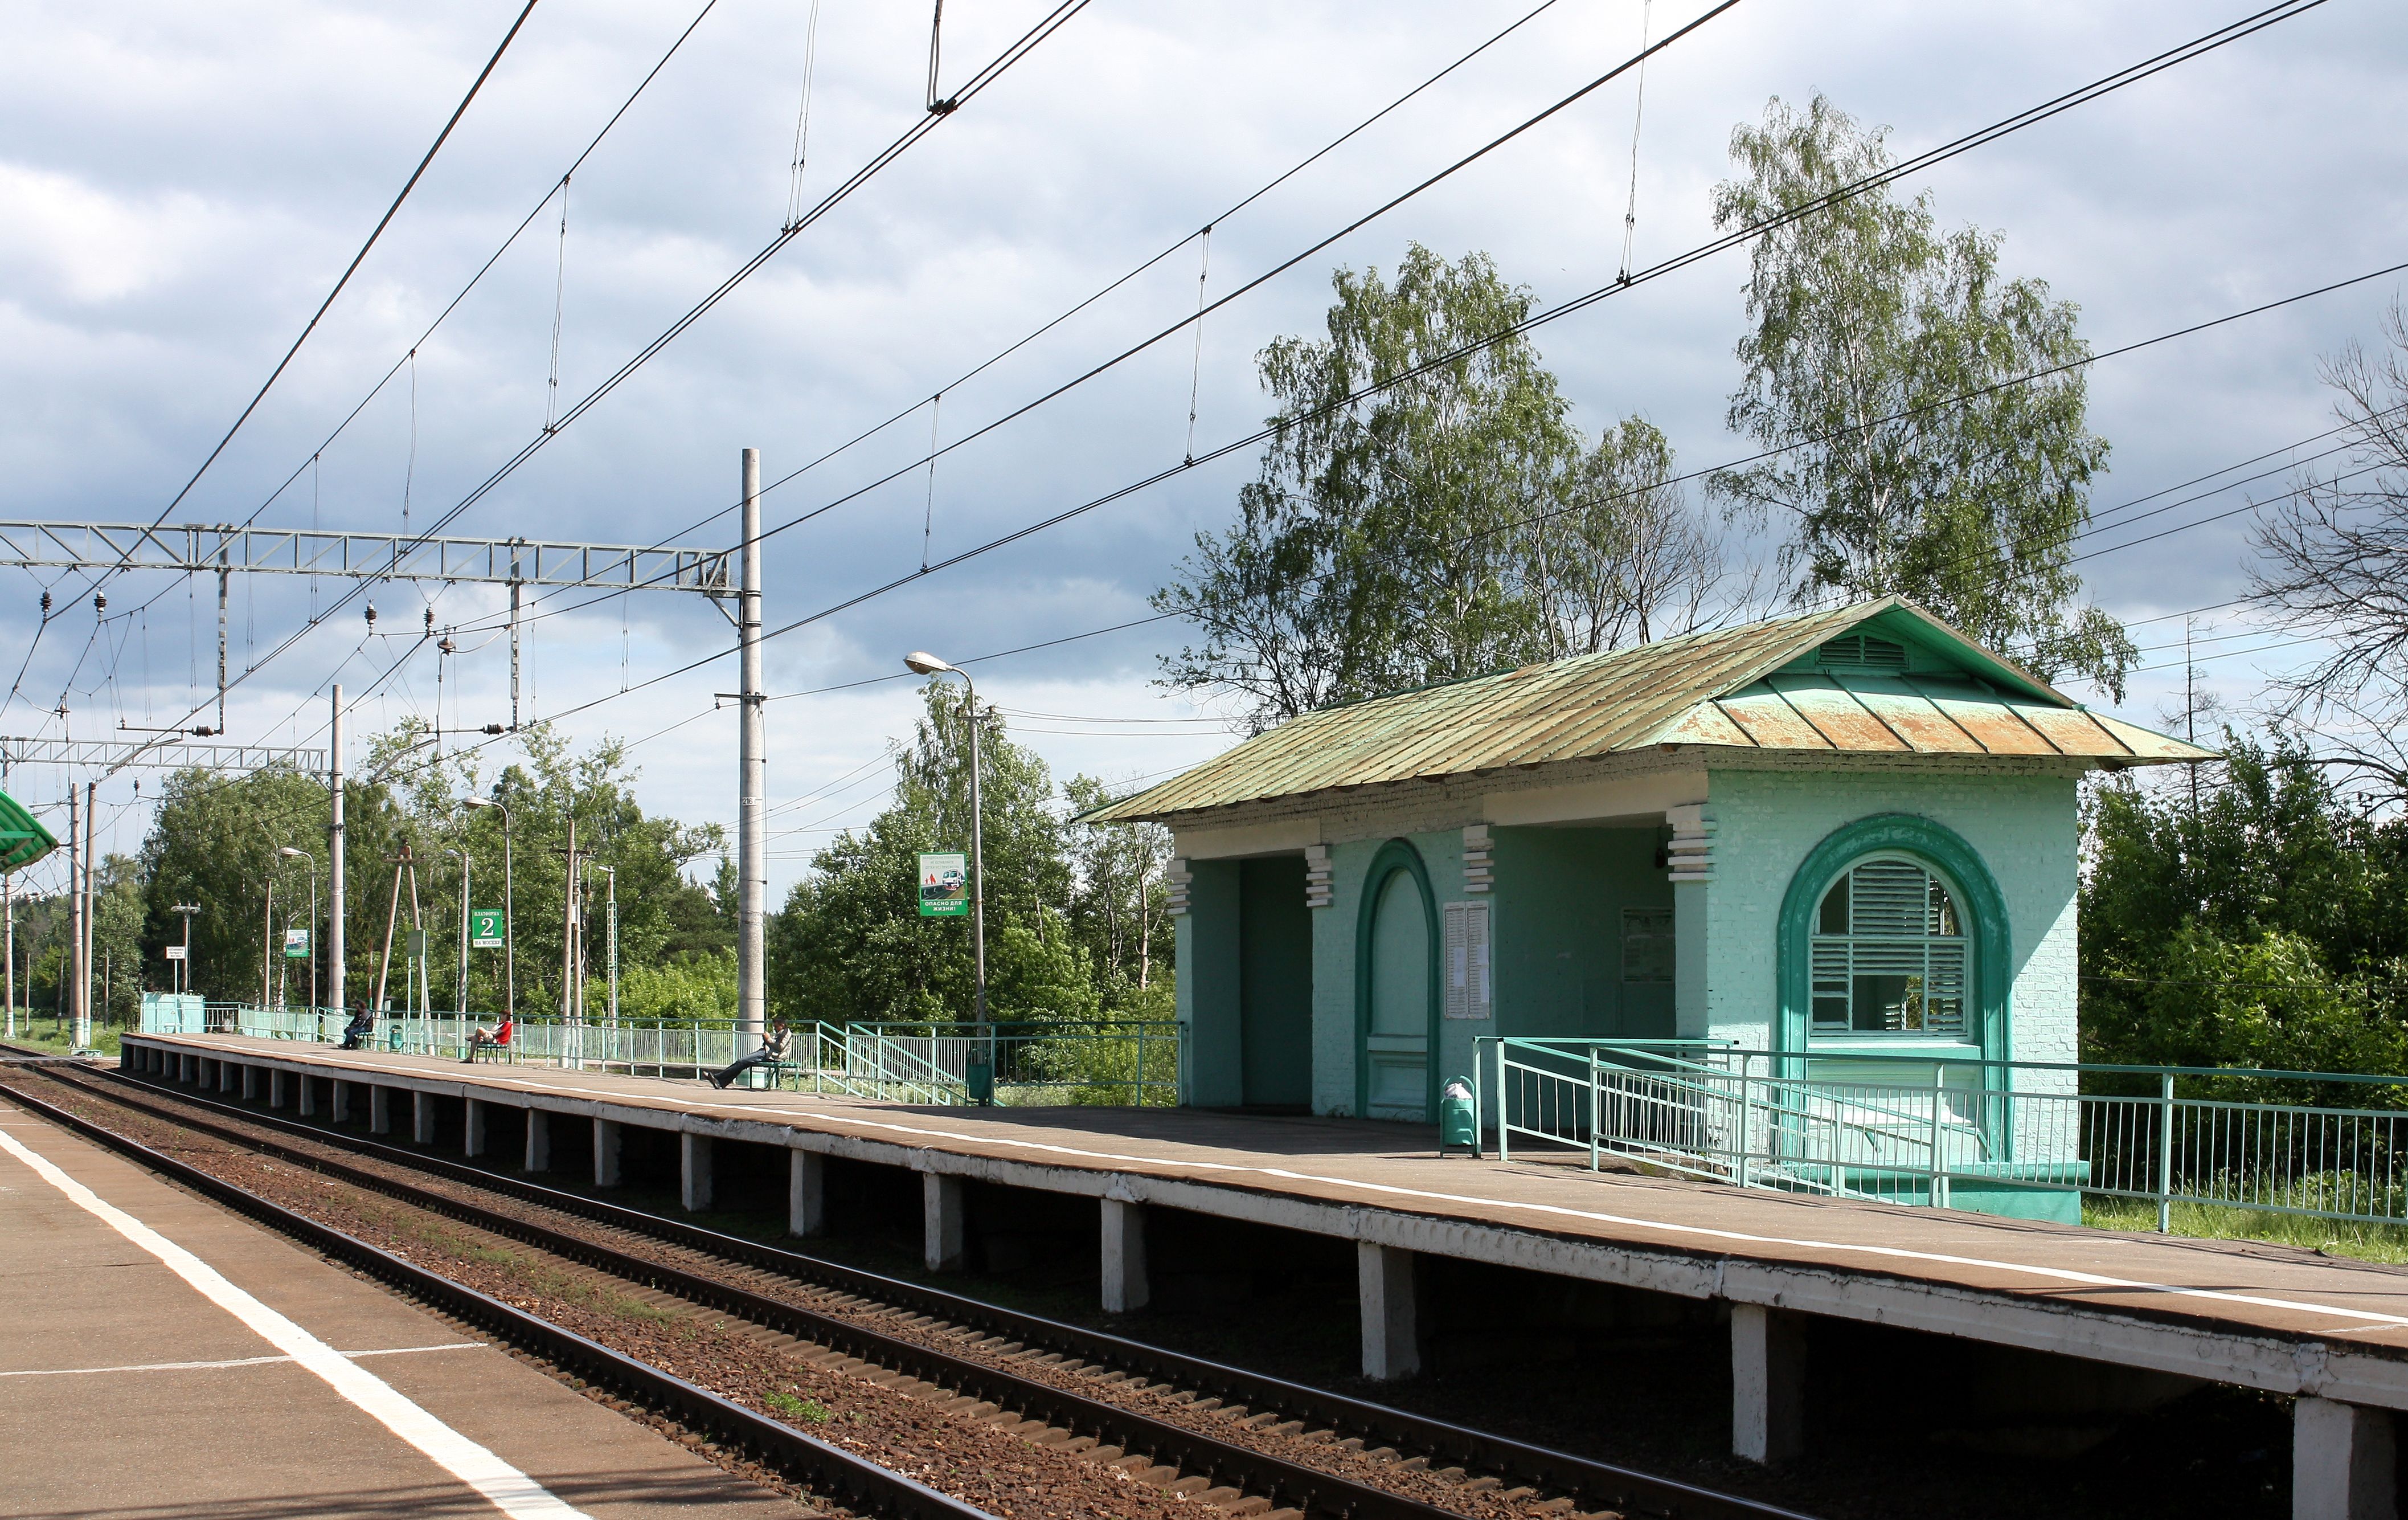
(693, 1171)
(184, 1068)
(472, 1128)
(275, 1087)
(2344, 1461)
(1383, 1286)
(308, 1107)
(538, 1140)
(605, 1153)
(339, 1101)
(202, 1075)
(1767, 1384)
(941, 1222)
(806, 1192)
(249, 1082)
(422, 1118)
(1128, 1287)
(225, 1076)
(380, 1108)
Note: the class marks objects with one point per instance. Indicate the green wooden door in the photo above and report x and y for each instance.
(1274, 985)
(1396, 1046)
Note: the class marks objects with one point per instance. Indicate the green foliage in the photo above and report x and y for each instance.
(1426, 511)
(1866, 324)
(1121, 910)
(2258, 921)
(696, 986)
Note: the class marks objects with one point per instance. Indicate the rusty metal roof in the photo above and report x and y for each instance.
(1737, 688)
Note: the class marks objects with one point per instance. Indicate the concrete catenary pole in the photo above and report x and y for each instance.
(91, 880)
(753, 783)
(76, 987)
(335, 898)
(568, 1009)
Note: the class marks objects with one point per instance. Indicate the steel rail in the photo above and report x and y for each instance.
(833, 1472)
(1594, 1484)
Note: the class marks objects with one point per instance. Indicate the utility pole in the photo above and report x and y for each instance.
(515, 584)
(752, 780)
(335, 853)
(75, 911)
(268, 941)
(612, 917)
(568, 1009)
(224, 571)
(83, 1009)
(460, 997)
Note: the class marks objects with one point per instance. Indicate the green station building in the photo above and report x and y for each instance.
(1842, 832)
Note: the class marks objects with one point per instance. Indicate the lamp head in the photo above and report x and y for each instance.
(476, 802)
(291, 853)
(922, 663)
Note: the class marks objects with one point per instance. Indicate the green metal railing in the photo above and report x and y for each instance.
(1924, 1128)
(1019, 1063)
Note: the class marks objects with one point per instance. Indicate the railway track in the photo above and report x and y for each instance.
(1238, 1440)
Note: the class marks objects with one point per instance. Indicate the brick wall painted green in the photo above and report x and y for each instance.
(2025, 828)
(1334, 1049)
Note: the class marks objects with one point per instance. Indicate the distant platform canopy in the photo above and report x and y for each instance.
(1877, 678)
(22, 838)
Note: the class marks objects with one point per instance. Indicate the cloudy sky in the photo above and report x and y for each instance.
(182, 184)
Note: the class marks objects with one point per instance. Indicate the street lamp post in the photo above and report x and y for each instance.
(184, 964)
(509, 940)
(922, 663)
(291, 853)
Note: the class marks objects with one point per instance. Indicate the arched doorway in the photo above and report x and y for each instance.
(1397, 997)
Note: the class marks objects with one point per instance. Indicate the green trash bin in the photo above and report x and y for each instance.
(978, 1077)
(1458, 1121)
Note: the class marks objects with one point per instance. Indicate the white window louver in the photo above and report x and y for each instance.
(1862, 652)
(1469, 990)
(1890, 956)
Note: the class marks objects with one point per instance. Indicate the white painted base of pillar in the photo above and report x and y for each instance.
(472, 1128)
(539, 1140)
(941, 1221)
(1767, 1384)
(2344, 1461)
(1383, 1286)
(806, 1192)
(605, 1153)
(1127, 1285)
(693, 1171)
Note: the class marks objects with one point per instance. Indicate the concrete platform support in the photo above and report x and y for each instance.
(184, 1068)
(275, 1088)
(1128, 1287)
(1383, 1286)
(806, 1192)
(538, 1140)
(1767, 1384)
(941, 1222)
(379, 1110)
(338, 1101)
(305, 1091)
(693, 1171)
(605, 1153)
(2344, 1461)
(422, 1118)
(250, 1084)
(472, 1128)
(225, 1076)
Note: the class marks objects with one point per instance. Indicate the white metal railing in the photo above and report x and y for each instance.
(1925, 1129)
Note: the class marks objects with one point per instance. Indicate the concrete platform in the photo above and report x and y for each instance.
(2271, 1317)
(125, 1391)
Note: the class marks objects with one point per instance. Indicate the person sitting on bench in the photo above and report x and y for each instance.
(363, 1024)
(772, 1053)
(496, 1039)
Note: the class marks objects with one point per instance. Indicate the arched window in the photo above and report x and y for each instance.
(1890, 953)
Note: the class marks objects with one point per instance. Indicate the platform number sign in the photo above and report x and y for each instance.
(296, 944)
(945, 885)
(485, 928)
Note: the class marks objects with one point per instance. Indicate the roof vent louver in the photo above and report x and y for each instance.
(1862, 652)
